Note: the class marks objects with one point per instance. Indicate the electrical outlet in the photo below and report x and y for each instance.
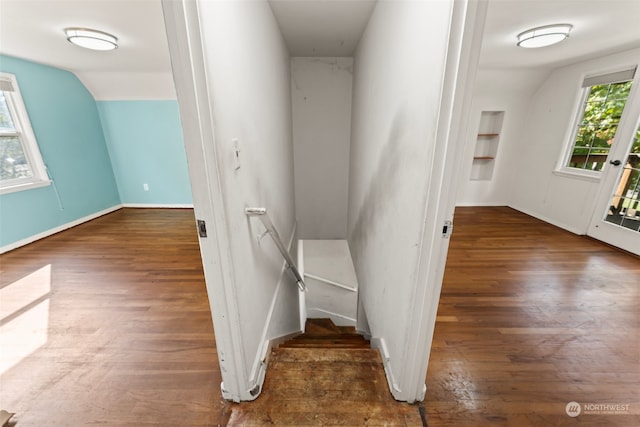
(145, 186)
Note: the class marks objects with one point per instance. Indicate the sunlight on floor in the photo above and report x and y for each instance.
(24, 317)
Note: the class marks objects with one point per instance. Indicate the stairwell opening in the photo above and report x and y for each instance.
(321, 96)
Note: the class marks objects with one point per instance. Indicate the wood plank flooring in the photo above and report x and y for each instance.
(115, 328)
(112, 327)
(532, 317)
(327, 376)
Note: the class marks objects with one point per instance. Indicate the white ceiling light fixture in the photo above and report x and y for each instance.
(544, 36)
(91, 39)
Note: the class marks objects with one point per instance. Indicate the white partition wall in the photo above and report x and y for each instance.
(406, 93)
(233, 84)
(232, 72)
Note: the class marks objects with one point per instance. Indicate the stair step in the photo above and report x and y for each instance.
(323, 333)
(329, 355)
(347, 329)
(326, 344)
(321, 327)
(312, 387)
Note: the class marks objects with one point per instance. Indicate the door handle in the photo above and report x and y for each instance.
(615, 162)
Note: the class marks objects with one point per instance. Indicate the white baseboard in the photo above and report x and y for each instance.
(158, 205)
(381, 345)
(569, 228)
(471, 204)
(52, 231)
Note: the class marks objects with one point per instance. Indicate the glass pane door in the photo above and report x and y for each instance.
(624, 209)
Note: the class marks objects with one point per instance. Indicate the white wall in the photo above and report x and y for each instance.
(238, 84)
(498, 90)
(398, 79)
(564, 201)
(321, 98)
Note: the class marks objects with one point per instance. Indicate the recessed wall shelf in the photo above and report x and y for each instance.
(486, 147)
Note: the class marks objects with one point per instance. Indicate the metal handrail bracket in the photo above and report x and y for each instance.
(271, 229)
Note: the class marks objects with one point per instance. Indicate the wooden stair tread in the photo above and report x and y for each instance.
(323, 333)
(325, 344)
(338, 376)
(321, 327)
(338, 386)
(303, 355)
(347, 329)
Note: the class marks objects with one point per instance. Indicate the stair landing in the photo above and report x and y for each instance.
(327, 376)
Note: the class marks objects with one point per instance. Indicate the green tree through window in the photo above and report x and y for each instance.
(596, 130)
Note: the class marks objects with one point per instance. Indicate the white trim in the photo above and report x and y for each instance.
(52, 231)
(598, 227)
(302, 300)
(553, 222)
(381, 345)
(463, 51)
(258, 371)
(471, 204)
(577, 173)
(25, 185)
(159, 205)
(332, 314)
(578, 112)
(187, 57)
(331, 282)
(26, 136)
(617, 75)
(572, 132)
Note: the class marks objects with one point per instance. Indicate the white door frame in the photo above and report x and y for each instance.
(183, 33)
(463, 53)
(599, 228)
(185, 45)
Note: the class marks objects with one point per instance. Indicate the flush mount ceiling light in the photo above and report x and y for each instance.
(544, 36)
(91, 39)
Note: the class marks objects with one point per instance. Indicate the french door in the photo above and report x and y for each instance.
(616, 219)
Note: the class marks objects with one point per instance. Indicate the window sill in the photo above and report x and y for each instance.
(580, 174)
(24, 186)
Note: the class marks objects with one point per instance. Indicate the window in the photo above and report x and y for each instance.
(21, 165)
(601, 107)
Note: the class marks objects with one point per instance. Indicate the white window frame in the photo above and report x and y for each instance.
(24, 132)
(586, 83)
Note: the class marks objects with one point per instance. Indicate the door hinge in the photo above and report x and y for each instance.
(202, 228)
(447, 229)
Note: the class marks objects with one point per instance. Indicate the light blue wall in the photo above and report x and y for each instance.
(145, 143)
(65, 120)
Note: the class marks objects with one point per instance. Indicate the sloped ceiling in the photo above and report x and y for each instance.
(140, 67)
(600, 27)
(33, 30)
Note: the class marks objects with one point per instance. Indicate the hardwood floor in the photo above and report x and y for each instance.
(111, 326)
(532, 317)
(327, 376)
(115, 328)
